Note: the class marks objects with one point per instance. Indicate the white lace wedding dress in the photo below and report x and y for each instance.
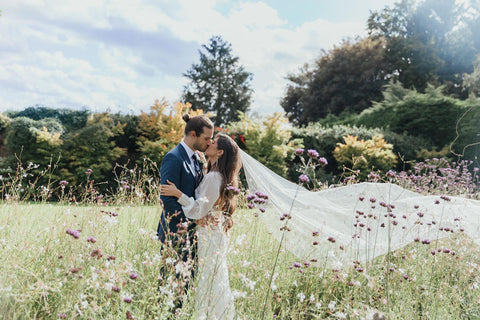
(214, 299)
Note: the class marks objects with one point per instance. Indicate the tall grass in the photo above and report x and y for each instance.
(112, 270)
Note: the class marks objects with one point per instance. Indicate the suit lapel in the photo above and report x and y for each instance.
(186, 160)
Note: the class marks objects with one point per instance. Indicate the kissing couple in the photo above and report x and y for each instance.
(191, 191)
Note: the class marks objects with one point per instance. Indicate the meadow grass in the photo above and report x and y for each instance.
(96, 262)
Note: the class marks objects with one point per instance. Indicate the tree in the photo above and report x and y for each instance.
(429, 42)
(218, 83)
(347, 79)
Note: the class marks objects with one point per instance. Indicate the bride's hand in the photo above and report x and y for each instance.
(170, 190)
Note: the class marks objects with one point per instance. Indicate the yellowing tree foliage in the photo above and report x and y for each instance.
(161, 130)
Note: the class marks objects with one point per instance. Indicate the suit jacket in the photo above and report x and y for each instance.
(176, 167)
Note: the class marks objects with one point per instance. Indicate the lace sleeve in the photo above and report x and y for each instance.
(207, 194)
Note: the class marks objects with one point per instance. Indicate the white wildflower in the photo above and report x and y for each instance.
(301, 296)
(312, 298)
(340, 315)
(332, 305)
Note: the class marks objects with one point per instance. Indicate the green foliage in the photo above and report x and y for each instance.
(70, 119)
(23, 134)
(159, 132)
(324, 139)
(471, 81)
(347, 78)
(218, 84)
(127, 140)
(268, 140)
(430, 115)
(92, 147)
(365, 155)
(428, 41)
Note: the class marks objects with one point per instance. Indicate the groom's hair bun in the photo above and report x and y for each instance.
(197, 123)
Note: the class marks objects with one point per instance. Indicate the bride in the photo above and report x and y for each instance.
(214, 204)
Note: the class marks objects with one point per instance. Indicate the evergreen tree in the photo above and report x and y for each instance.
(218, 84)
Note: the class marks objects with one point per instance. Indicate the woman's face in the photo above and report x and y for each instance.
(212, 151)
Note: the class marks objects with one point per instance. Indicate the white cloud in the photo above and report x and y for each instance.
(125, 54)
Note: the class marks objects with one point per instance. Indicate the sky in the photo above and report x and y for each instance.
(122, 55)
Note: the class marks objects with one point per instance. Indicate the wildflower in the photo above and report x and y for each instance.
(445, 198)
(391, 174)
(416, 206)
(115, 289)
(315, 233)
(420, 214)
(63, 183)
(129, 315)
(133, 275)
(331, 239)
(91, 239)
(233, 189)
(323, 161)
(297, 264)
(437, 201)
(332, 305)
(426, 241)
(127, 299)
(361, 198)
(250, 197)
(373, 200)
(299, 151)
(301, 296)
(250, 205)
(110, 258)
(73, 233)
(303, 178)
(360, 269)
(88, 172)
(261, 210)
(261, 195)
(313, 153)
(62, 316)
(405, 276)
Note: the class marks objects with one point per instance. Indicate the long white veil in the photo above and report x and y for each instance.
(356, 222)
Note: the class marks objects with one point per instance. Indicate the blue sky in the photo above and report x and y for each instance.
(122, 55)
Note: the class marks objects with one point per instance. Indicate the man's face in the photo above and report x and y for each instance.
(201, 143)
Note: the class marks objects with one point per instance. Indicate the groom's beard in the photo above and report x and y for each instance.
(198, 147)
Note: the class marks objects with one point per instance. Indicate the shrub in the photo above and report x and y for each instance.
(159, 132)
(268, 140)
(365, 155)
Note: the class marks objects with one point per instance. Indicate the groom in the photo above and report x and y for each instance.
(181, 167)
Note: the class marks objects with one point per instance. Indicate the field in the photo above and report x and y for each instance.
(96, 262)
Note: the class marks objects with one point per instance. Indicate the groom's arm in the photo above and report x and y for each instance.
(171, 170)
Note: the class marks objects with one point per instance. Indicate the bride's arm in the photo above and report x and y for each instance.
(208, 193)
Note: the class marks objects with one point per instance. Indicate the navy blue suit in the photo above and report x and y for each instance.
(177, 168)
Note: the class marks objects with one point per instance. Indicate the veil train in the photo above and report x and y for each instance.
(359, 221)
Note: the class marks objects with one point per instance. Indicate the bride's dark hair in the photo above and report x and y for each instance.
(228, 165)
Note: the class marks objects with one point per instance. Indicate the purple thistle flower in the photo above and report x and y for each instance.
(323, 161)
(303, 178)
(250, 197)
(405, 276)
(73, 233)
(313, 153)
(262, 210)
(88, 172)
(63, 183)
(315, 233)
(420, 214)
(297, 265)
(361, 198)
(331, 239)
(250, 205)
(91, 239)
(115, 289)
(133, 275)
(62, 316)
(299, 151)
(373, 200)
(127, 299)
(233, 189)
